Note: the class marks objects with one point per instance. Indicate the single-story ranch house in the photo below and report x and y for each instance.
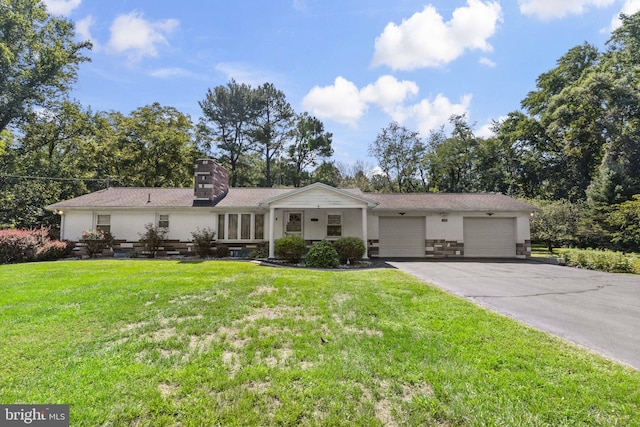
(393, 225)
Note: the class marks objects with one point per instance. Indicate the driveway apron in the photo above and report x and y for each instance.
(600, 311)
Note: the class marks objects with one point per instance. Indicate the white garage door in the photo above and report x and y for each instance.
(402, 237)
(490, 237)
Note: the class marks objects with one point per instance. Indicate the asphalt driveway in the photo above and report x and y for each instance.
(600, 311)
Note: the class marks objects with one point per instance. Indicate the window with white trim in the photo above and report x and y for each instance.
(163, 221)
(245, 226)
(103, 223)
(334, 225)
(259, 226)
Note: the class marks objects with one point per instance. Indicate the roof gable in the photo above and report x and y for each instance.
(318, 195)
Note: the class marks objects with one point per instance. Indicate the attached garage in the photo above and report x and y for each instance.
(402, 236)
(490, 237)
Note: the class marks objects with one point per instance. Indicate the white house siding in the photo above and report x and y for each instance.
(317, 230)
(74, 223)
(318, 198)
(129, 224)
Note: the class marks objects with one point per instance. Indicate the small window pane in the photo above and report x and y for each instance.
(103, 223)
(259, 227)
(334, 225)
(163, 221)
(233, 226)
(245, 224)
(221, 226)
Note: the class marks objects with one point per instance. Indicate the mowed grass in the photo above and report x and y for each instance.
(156, 343)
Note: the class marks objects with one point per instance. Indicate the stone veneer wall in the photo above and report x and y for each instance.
(440, 248)
(524, 249)
(124, 249)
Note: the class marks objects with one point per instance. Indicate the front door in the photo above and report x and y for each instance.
(293, 224)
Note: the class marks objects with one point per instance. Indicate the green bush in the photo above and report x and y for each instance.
(614, 262)
(202, 241)
(322, 255)
(222, 251)
(291, 248)
(350, 248)
(262, 251)
(95, 241)
(153, 238)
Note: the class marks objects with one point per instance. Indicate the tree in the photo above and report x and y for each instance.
(625, 219)
(272, 126)
(229, 112)
(38, 58)
(156, 147)
(310, 143)
(618, 175)
(451, 161)
(555, 223)
(327, 173)
(398, 152)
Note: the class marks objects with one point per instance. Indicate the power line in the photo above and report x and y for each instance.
(49, 178)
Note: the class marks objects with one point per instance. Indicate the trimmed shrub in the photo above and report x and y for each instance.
(291, 248)
(30, 245)
(95, 241)
(261, 252)
(52, 250)
(202, 241)
(222, 251)
(614, 262)
(350, 248)
(153, 238)
(322, 255)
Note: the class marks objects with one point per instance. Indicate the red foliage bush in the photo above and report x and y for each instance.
(30, 245)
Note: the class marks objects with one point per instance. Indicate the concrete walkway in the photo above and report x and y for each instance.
(600, 311)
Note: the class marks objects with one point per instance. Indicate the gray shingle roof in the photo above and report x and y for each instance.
(128, 197)
(446, 202)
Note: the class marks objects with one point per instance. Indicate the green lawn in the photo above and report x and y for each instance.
(133, 342)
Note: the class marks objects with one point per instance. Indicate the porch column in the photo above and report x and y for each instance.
(272, 226)
(364, 233)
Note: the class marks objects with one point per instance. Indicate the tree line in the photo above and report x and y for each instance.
(574, 141)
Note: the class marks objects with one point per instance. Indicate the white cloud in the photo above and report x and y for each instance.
(387, 93)
(166, 73)
(340, 102)
(246, 73)
(486, 130)
(430, 115)
(345, 103)
(137, 37)
(486, 61)
(61, 7)
(425, 40)
(555, 9)
(630, 7)
(83, 29)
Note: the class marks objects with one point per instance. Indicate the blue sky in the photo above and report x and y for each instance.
(355, 64)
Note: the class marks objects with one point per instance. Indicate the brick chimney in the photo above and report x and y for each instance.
(211, 182)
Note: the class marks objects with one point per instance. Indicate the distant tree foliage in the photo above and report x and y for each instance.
(38, 58)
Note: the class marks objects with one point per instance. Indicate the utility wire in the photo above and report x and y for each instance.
(106, 180)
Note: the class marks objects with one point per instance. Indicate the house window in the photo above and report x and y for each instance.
(334, 225)
(103, 223)
(163, 221)
(233, 227)
(259, 227)
(221, 222)
(245, 226)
